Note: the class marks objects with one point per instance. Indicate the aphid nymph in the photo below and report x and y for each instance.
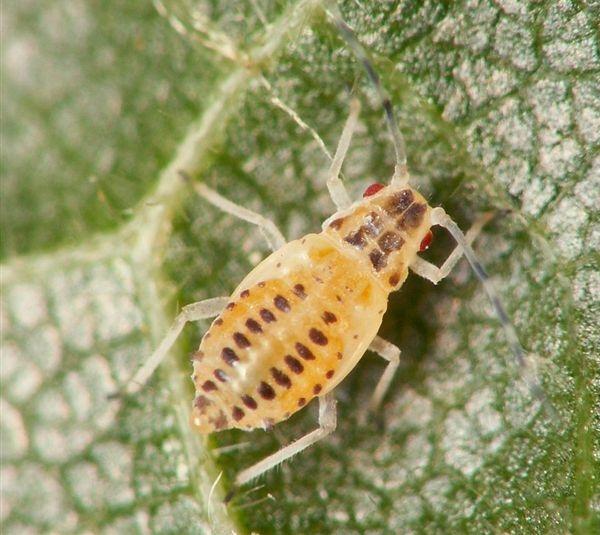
(302, 319)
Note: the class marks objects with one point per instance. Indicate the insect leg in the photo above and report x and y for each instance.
(435, 274)
(336, 187)
(391, 353)
(270, 231)
(209, 308)
(327, 424)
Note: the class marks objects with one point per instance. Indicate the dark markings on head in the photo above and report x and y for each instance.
(237, 413)
(299, 291)
(229, 356)
(266, 315)
(293, 364)
(218, 321)
(329, 374)
(249, 401)
(281, 303)
(230, 306)
(198, 356)
(266, 390)
(340, 356)
(281, 378)
(301, 402)
(394, 279)
(208, 386)
(245, 294)
(304, 352)
(316, 389)
(357, 238)
(241, 341)
(337, 223)
(378, 259)
(390, 241)
(328, 317)
(372, 224)
(413, 217)
(202, 402)
(317, 337)
(398, 202)
(253, 326)
(220, 375)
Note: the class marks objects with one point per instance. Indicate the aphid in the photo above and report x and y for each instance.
(302, 319)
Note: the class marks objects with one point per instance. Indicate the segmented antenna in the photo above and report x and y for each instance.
(401, 171)
(519, 353)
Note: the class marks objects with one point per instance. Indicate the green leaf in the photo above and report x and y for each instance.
(102, 241)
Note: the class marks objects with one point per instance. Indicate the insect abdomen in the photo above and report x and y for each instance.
(293, 330)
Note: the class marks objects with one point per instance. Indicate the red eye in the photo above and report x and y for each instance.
(373, 189)
(426, 242)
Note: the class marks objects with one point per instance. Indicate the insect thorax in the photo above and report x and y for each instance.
(384, 232)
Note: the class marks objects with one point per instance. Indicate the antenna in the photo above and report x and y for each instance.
(401, 171)
(441, 218)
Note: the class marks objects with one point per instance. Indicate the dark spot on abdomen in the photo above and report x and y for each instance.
(241, 341)
(317, 337)
(253, 326)
(266, 315)
(266, 390)
(282, 303)
(328, 317)
(229, 356)
(201, 402)
(281, 378)
(294, 364)
(304, 352)
(220, 375)
(300, 291)
(208, 386)
(249, 401)
(237, 414)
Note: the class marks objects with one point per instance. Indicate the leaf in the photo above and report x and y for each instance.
(500, 106)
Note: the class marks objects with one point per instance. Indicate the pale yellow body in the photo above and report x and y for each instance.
(301, 319)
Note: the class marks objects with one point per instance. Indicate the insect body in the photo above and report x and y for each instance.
(301, 320)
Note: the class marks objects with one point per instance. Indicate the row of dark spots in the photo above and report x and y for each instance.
(241, 340)
(265, 390)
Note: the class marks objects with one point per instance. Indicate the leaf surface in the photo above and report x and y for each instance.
(102, 240)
